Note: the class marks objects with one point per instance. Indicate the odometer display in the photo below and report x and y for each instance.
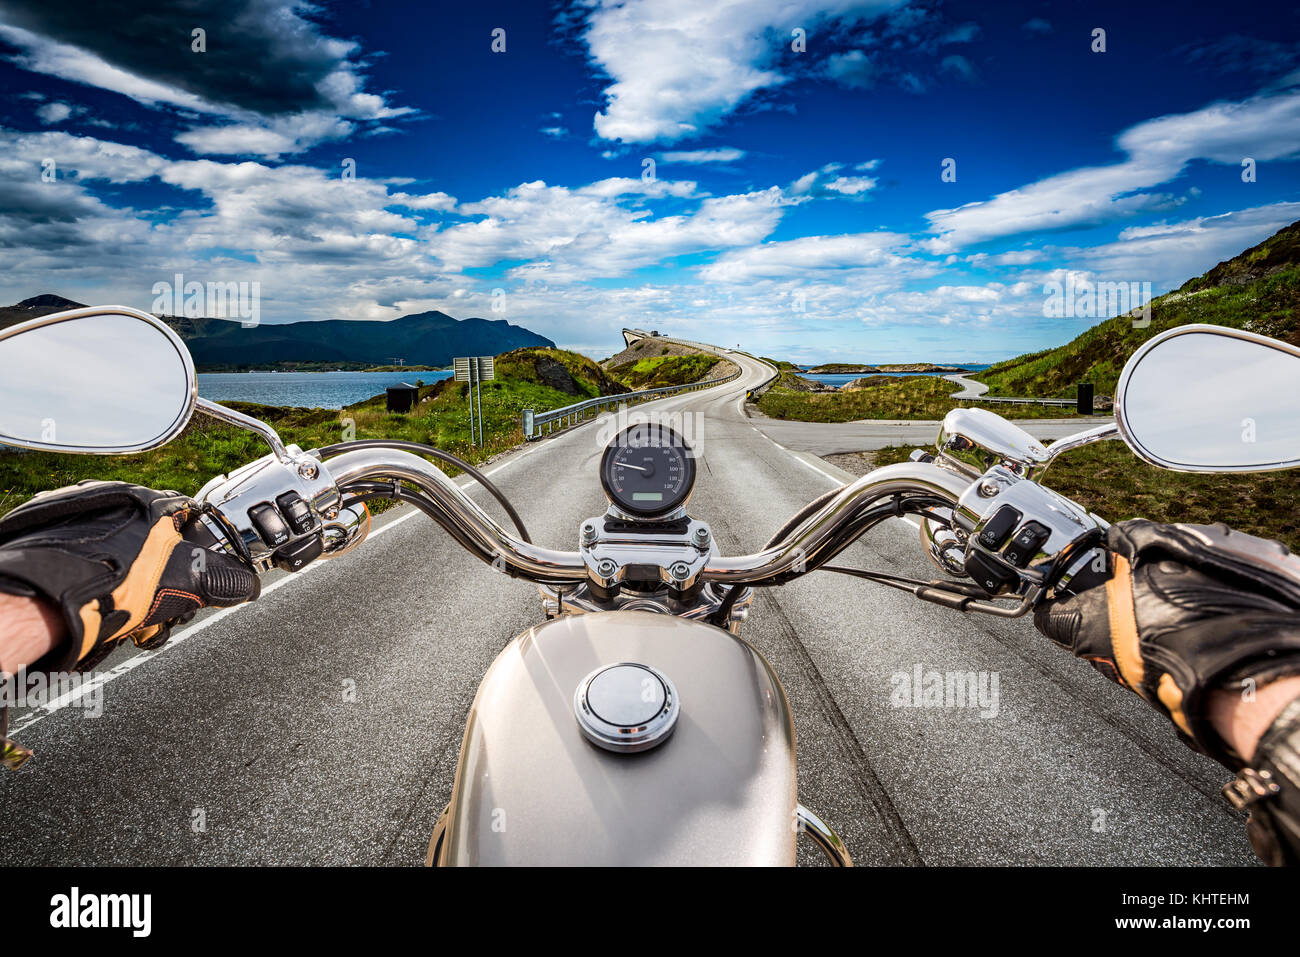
(647, 470)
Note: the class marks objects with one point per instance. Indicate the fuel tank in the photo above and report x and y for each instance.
(531, 789)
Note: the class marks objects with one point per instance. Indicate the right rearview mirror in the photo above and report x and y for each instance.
(1212, 399)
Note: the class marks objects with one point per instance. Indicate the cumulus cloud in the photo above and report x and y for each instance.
(53, 113)
(827, 182)
(678, 66)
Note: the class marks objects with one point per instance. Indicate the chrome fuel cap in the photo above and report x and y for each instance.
(626, 707)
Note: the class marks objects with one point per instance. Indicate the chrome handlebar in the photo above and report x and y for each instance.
(806, 545)
(802, 549)
(922, 487)
(490, 542)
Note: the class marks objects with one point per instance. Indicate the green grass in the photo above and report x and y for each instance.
(664, 370)
(1108, 479)
(888, 397)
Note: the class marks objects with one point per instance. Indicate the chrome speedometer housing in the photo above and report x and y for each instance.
(648, 471)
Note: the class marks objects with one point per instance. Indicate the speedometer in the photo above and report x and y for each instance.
(648, 470)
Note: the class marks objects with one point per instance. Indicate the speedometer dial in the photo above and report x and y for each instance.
(648, 470)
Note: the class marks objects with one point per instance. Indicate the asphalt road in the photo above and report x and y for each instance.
(970, 389)
(834, 438)
(321, 724)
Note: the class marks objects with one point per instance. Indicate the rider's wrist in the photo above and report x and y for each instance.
(1241, 717)
(30, 629)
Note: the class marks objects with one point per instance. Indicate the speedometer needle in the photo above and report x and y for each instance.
(639, 468)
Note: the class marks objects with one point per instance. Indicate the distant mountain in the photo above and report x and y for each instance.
(425, 338)
(1257, 290)
(33, 307)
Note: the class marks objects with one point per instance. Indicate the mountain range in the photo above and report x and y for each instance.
(424, 338)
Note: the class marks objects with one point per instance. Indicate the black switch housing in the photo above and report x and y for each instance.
(989, 573)
(998, 528)
(297, 512)
(270, 526)
(1026, 543)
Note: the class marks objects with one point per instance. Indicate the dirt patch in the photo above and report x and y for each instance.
(855, 463)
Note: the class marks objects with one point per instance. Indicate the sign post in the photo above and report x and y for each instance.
(474, 370)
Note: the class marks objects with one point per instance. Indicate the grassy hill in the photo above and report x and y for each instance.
(1258, 290)
(665, 370)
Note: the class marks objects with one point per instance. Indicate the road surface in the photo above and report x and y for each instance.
(321, 724)
(970, 389)
(833, 438)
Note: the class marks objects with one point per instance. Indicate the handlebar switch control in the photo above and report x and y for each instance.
(989, 573)
(998, 528)
(1026, 543)
(299, 554)
(297, 512)
(270, 526)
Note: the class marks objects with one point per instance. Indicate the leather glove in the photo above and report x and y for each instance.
(1182, 610)
(113, 559)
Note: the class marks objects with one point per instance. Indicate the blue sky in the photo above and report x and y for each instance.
(765, 172)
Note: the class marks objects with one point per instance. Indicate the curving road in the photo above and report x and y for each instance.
(320, 725)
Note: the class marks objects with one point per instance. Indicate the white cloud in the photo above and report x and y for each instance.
(52, 113)
(853, 68)
(1264, 128)
(795, 257)
(725, 154)
(680, 66)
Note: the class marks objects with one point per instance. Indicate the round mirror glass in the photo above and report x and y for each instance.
(1210, 399)
(97, 381)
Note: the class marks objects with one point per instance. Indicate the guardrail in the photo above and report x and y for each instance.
(569, 415)
(1010, 401)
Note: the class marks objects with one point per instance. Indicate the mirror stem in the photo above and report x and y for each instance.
(231, 417)
(1099, 433)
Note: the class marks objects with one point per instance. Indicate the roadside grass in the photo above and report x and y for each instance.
(1108, 479)
(886, 397)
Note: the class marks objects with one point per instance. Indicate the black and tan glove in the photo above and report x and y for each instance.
(1180, 611)
(113, 558)
(1183, 610)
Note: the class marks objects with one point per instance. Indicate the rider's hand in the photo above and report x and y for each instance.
(1183, 611)
(113, 560)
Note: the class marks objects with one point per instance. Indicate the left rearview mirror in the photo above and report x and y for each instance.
(102, 380)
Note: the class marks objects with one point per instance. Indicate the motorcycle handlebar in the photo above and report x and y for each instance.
(811, 543)
(832, 527)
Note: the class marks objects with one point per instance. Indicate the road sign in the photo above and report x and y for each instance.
(483, 368)
(475, 370)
